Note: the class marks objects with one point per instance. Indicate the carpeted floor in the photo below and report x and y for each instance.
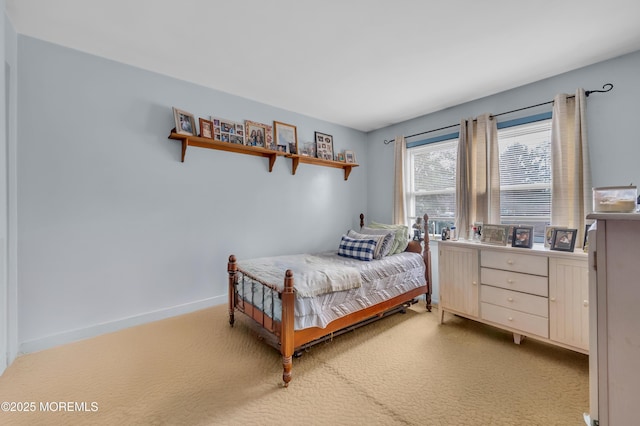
(196, 370)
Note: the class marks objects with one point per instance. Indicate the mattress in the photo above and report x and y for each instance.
(381, 280)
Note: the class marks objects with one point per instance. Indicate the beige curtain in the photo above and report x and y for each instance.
(399, 209)
(571, 194)
(478, 174)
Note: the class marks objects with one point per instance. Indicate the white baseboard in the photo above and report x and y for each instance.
(47, 342)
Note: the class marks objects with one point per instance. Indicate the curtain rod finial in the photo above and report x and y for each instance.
(607, 88)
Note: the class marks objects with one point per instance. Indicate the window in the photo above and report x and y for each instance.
(525, 176)
(432, 182)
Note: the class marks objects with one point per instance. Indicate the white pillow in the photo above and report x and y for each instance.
(383, 242)
(401, 240)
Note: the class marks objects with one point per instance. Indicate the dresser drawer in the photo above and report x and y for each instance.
(522, 302)
(517, 320)
(526, 263)
(533, 284)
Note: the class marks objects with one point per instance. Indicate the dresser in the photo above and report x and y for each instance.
(537, 292)
(614, 280)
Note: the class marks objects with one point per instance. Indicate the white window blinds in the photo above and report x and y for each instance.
(525, 173)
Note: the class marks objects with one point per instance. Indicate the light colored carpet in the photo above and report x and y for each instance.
(403, 370)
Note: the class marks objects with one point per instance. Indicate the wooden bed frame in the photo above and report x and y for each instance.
(290, 342)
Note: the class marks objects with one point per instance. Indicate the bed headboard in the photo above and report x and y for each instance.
(422, 248)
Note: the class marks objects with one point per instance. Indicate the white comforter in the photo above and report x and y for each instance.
(313, 274)
(380, 280)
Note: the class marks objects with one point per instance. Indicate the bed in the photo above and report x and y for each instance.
(329, 293)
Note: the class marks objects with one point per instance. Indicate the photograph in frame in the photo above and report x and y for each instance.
(308, 149)
(585, 240)
(350, 157)
(522, 237)
(564, 239)
(287, 135)
(185, 122)
(494, 234)
(259, 134)
(340, 157)
(510, 233)
(324, 146)
(548, 234)
(228, 131)
(206, 128)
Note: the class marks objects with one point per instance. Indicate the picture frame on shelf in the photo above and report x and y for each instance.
(185, 122)
(564, 239)
(340, 157)
(287, 135)
(206, 128)
(494, 234)
(350, 157)
(259, 134)
(228, 131)
(324, 146)
(522, 236)
(548, 234)
(307, 149)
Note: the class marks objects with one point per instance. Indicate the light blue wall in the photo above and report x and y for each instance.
(114, 230)
(612, 119)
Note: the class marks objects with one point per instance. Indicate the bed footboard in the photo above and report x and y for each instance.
(271, 309)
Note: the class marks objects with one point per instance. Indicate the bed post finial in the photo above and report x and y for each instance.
(286, 348)
(232, 268)
(426, 255)
(361, 220)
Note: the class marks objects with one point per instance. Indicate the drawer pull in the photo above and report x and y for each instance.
(510, 299)
(510, 262)
(474, 282)
(510, 281)
(510, 318)
(585, 303)
(553, 299)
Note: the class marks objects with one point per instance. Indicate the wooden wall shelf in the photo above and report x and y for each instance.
(297, 159)
(201, 142)
(225, 146)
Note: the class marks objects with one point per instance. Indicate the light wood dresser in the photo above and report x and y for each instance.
(537, 292)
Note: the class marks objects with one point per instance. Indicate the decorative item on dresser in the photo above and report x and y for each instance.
(294, 317)
(537, 293)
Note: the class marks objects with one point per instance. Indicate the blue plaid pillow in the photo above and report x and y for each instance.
(357, 249)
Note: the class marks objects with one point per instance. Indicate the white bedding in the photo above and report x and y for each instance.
(380, 280)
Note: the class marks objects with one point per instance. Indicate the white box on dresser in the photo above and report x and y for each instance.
(534, 292)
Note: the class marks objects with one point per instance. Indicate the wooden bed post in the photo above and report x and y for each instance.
(426, 255)
(231, 270)
(287, 336)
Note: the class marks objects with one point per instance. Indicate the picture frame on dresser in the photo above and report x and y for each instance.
(548, 234)
(564, 239)
(522, 237)
(494, 234)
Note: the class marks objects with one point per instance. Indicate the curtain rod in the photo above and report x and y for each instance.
(607, 87)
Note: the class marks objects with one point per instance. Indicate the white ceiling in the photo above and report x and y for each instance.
(365, 64)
